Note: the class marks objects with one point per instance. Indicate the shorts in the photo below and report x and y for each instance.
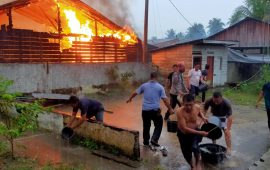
(98, 116)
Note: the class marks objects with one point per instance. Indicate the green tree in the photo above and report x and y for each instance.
(196, 31)
(258, 9)
(15, 117)
(180, 36)
(215, 25)
(171, 34)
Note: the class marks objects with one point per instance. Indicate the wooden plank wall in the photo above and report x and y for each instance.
(27, 46)
(165, 58)
(249, 33)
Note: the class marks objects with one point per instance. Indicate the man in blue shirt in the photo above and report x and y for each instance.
(88, 108)
(153, 92)
(265, 92)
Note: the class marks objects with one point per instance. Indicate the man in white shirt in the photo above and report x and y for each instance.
(194, 76)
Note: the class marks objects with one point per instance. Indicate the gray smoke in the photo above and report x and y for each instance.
(116, 10)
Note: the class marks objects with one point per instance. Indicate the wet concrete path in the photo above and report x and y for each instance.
(250, 135)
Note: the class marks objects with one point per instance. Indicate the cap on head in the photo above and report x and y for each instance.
(217, 94)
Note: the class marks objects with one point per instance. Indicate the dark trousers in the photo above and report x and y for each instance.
(148, 116)
(173, 102)
(189, 144)
(268, 116)
(203, 96)
(194, 90)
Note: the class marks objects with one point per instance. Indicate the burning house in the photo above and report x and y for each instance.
(63, 31)
(56, 44)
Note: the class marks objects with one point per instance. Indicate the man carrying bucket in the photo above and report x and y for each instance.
(189, 118)
(222, 116)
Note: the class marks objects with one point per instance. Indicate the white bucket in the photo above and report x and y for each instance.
(216, 121)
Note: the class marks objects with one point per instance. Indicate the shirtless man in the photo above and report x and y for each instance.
(189, 119)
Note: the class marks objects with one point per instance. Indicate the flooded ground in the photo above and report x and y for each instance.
(250, 139)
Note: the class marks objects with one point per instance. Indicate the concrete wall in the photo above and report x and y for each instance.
(218, 52)
(51, 121)
(125, 140)
(45, 77)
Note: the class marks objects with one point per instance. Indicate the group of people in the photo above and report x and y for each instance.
(190, 115)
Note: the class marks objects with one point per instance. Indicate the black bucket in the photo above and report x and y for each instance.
(67, 133)
(214, 131)
(212, 153)
(172, 126)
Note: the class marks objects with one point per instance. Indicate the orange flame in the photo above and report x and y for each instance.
(76, 27)
(79, 24)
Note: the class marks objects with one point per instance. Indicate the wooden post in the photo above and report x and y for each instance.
(10, 24)
(59, 29)
(145, 43)
(96, 28)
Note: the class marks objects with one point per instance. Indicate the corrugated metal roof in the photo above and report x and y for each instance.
(238, 56)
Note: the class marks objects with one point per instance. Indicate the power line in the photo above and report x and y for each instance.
(181, 14)
(185, 18)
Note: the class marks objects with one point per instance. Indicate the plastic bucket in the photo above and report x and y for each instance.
(172, 126)
(217, 121)
(67, 133)
(214, 131)
(212, 153)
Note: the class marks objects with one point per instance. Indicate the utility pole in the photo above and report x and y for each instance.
(145, 42)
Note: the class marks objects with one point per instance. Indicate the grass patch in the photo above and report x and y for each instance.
(240, 97)
(93, 145)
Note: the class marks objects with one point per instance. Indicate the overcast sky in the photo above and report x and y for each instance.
(163, 16)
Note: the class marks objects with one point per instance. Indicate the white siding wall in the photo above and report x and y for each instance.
(218, 52)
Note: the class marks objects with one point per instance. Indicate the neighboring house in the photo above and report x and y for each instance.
(251, 51)
(192, 52)
(234, 54)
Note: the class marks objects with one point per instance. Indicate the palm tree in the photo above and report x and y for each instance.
(258, 9)
(215, 25)
(196, 31)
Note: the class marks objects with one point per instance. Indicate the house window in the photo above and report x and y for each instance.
(220, 63)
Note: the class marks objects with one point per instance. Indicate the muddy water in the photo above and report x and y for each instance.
(50, 148)
(249, 138)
